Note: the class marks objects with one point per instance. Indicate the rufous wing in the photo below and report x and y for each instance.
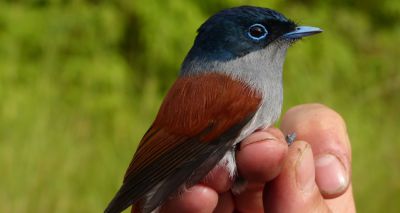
(195, 126)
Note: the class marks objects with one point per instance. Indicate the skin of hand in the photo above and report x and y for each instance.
(312, 175)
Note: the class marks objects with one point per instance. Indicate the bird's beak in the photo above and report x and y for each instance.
(302, 31)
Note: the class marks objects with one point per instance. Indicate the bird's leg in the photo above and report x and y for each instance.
(239, 185)
(290, 138)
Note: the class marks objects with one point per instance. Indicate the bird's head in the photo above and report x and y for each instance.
(236, 32)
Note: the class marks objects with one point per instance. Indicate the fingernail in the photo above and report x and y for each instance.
(305, 172)
(331, 176)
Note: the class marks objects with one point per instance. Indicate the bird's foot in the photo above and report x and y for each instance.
(290, 138)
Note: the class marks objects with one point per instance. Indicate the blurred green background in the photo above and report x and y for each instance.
(81, 81)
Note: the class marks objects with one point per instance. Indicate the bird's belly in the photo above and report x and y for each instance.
(265, 117)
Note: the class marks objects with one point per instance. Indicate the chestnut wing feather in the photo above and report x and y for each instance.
(197, 123)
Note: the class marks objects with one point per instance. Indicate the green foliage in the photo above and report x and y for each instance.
(81, 81)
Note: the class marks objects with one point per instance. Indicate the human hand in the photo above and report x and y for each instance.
(316, 179)
(301, 178)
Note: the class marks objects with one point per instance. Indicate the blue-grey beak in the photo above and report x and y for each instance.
(302, 31)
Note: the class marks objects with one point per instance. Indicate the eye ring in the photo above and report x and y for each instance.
(257, 32)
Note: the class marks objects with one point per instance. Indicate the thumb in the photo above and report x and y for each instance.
(295, 190)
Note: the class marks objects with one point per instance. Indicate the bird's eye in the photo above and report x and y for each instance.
(257, 32)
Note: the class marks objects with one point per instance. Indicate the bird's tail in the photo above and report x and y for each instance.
(137, 208)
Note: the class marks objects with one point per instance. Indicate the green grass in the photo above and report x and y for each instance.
(81, 82)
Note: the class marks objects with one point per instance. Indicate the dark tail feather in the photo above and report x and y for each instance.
(137, 208)
(119, 203)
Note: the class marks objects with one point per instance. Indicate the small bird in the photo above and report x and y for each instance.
(230, 85)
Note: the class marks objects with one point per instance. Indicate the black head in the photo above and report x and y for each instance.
(235, 32)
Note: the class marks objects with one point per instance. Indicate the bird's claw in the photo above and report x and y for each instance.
(290, 138)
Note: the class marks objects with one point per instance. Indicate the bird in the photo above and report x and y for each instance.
(229, 85)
